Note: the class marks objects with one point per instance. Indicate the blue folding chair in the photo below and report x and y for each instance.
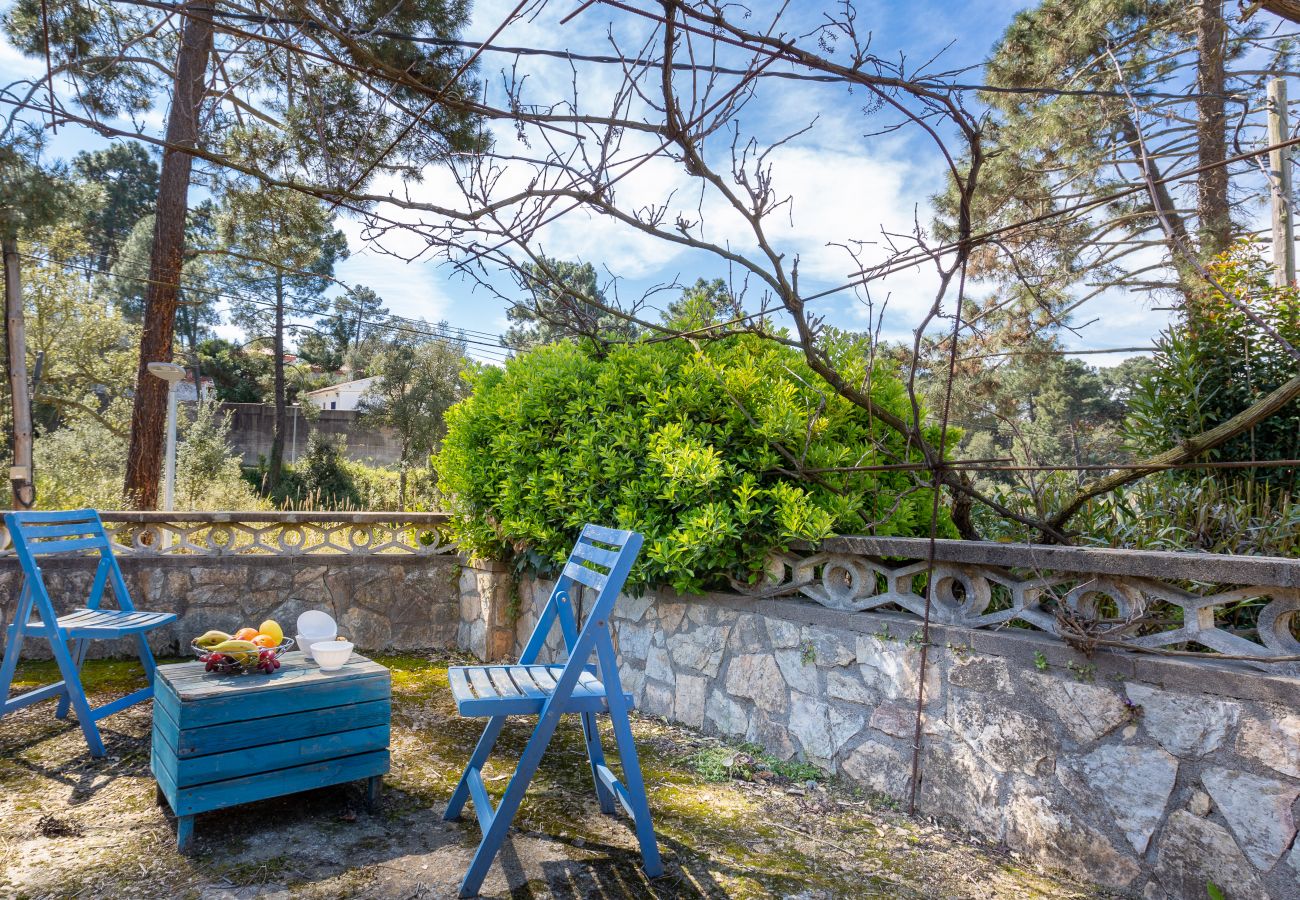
(549, 691)
(77, 532)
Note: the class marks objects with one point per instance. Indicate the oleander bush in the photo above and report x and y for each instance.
(712, 454)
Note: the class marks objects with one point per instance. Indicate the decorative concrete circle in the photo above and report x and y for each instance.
(1275, 621)
(1129, 602)
(361, 537)
(976, 593)
(291, 539)
(220, 539)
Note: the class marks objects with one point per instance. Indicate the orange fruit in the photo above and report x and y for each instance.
(265, 640)
(245, 634)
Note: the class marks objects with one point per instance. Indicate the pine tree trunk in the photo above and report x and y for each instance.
(16, 343)
(1211, 131)
(149, 414)
(401, 487)
(276, 464)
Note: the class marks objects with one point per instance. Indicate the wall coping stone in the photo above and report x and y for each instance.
(1191, 566)
(1224, 678)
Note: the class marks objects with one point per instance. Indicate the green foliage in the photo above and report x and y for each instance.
(87, 353)
(32, 197)
(418, 382)
(748, 762)
(696, 450)
(326, 480)
(1167, 511)
(1215, 362)
(281, 249)
(125, 283)
(87, 45)
(563, 303)
(123, 180)
(320, 481)
(83, 463)
(1033, 406)
(704, 303)
(352, 334)
(237, 375)
(208, 473)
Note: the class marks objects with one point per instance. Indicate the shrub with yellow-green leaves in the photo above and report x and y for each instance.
(711, 454)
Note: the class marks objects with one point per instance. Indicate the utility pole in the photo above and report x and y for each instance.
(1279, 177)
(20, 473)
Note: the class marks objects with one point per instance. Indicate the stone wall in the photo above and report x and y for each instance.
(1149, 775)
(252, 426)
(381, 602)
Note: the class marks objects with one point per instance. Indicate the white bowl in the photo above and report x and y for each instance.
(331, 655)
(317, 625)
(303, 643)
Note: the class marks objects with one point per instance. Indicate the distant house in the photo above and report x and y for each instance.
(345, 395)
(186, 391)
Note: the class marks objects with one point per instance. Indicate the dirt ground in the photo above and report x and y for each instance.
(730, 823)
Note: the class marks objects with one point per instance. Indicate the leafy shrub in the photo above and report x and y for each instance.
(325, 479)
(697, 450)
(207, 470)
(83, 463)
(1215, 363)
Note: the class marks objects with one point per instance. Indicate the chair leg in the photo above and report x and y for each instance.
(79, 648)
(76, 693)
(634, 784)
(13, 645)
(509, 805)
(480, 756)
(146, 657)
(596, 757)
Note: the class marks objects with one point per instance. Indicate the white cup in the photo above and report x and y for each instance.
(331, 655)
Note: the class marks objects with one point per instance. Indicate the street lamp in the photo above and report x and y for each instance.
(172, 374)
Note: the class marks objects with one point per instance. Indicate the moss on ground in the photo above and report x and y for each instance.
(731, 821)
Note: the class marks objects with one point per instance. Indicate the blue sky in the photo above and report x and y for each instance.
(846, 187)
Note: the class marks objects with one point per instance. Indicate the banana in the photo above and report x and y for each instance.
(210, 639)
(241, 651)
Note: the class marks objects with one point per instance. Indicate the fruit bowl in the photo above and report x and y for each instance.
(242, 661)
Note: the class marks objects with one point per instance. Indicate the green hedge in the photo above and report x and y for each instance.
(680, 445)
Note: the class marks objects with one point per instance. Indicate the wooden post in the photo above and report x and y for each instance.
(1279, 176)
(20, 474)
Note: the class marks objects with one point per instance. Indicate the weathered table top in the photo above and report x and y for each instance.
(191, 682)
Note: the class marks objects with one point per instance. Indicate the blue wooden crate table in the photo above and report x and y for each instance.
(223, 740)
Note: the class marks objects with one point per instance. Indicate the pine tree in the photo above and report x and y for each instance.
(281, 248)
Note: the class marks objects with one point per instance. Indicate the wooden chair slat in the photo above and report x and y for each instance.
(524, 682)
(542, 676)
(460, 688)
(66, 545)
(37, 534)
(607, 535)
(482, 684)
(548, 691)
(41, 532)
(599, 555)
(500, 676)
(57, 515)
(589, 577)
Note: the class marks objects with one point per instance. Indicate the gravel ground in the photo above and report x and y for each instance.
(71, 826)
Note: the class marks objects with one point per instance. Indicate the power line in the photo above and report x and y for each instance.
(491, 350)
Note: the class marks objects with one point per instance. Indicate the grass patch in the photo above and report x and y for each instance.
(99, 675)
(748, 762)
